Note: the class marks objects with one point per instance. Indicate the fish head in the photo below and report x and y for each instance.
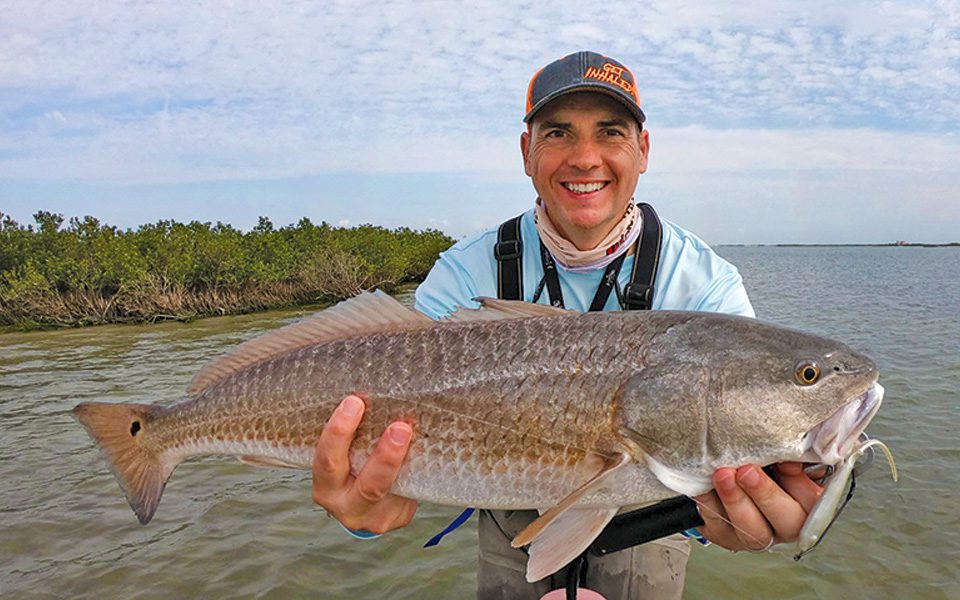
(718, 390)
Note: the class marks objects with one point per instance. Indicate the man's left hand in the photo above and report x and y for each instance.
(748, 510)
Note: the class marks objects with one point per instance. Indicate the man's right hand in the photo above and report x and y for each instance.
(364, 501)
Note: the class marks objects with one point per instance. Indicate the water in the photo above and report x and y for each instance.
(225, 529)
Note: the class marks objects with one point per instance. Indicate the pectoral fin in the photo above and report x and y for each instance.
(566, 537)
(530, 533)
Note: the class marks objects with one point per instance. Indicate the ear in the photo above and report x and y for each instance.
(524, 148)
(644, 149)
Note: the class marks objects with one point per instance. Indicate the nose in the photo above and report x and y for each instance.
(585, 154)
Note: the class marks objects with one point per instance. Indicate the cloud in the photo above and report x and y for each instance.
(404, 57)
(134, 93)
(700, 150)
(55, 116)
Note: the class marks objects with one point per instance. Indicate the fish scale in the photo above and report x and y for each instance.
(503, 388)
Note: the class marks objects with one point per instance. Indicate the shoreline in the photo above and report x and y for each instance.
(30, 325)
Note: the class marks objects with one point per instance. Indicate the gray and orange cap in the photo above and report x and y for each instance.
(584, 71)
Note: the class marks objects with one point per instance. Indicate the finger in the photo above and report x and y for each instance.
(392, 512)
(331, 458)
(784, 514)
(380, 471)
(789, 468)
(800, 487)
(369, 503)
(749, 524)
(407, 516)
(715, 522)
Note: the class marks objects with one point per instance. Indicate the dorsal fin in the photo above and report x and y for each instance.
(363, 314)
(492, 309)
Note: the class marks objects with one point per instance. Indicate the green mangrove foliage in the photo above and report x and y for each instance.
(86, 272)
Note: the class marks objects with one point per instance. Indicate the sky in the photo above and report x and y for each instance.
(770, 121)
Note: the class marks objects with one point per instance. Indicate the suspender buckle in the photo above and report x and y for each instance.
(509, 250)
(637, 296)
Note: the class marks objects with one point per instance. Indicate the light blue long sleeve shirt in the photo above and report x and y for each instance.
(690, 276)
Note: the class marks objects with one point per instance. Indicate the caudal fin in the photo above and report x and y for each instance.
(121, 431)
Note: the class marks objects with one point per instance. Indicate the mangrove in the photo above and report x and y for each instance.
(86, 272)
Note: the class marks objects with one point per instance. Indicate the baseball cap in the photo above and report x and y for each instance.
(584, 71)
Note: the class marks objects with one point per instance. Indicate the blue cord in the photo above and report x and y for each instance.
(453, 525)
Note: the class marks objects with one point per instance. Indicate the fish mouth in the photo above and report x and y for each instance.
(834, 439)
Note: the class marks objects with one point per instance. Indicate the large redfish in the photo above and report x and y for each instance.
(513, 406)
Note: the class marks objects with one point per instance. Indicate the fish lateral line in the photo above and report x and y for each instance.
(523, 433)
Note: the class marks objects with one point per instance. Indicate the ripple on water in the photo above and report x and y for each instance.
(228, 530)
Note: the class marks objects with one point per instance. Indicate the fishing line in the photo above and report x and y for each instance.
(734, 525)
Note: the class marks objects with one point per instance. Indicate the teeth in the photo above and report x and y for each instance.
(583, 188)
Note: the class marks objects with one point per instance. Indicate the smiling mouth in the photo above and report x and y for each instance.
(585, 188)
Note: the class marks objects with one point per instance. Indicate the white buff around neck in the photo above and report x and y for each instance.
(617, 242)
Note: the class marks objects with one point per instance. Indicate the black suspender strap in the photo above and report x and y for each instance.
(608, 282)
(509, 254)
(647, 524)
(552, 281)
(551, 278)
(638, 294)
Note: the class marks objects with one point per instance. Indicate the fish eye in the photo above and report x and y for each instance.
(807, 372)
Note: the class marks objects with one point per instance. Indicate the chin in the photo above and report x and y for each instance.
(593, 219)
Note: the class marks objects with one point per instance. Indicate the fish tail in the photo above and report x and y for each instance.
(120, 432)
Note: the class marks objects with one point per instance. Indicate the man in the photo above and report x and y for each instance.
(584, 150)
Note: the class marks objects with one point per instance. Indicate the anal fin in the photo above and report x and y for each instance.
(530, 533)
(564, 539)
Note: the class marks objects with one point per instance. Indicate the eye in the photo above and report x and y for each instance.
(554, 133)
(614, 132)
(807, 372)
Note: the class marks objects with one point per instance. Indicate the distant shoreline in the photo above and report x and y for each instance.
(892, 245)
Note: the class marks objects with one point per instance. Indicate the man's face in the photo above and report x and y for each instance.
(584, 154)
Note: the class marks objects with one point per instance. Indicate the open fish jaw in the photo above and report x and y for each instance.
(836, 438)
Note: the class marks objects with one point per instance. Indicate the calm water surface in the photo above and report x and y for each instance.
(224, 529)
